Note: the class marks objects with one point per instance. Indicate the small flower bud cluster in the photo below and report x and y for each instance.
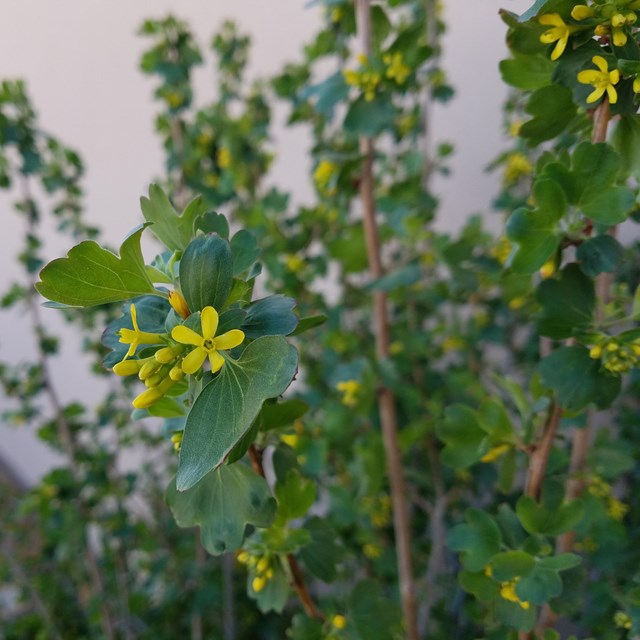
(366, 78)
(260, 566)
(613, 18)
(616, 356)
(616, 509)
(349, 390)
(397, 70)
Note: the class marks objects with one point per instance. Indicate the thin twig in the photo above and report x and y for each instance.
(540, 456)
(297, 577)
(386, 399)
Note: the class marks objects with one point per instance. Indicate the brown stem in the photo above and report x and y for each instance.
(582, 437)
(386, 399)
(297, 577)
(540, 456)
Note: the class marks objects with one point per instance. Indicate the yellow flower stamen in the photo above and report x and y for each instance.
(207, 344)
(603, 80)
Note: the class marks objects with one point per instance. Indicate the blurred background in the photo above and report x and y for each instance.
(80, 63)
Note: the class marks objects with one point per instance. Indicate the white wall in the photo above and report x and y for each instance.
(80, 61)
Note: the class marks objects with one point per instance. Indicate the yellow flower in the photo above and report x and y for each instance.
(135, 337)
(559, 33)
(224, 158)
(148, 397)
(495, 453)
(206, 344)
(294, 263)
(339, 621)
(324, 173)
(176, 438)
(177, 301)
(619, 37)
(372, 551)
(508, 592)
(622, 620)
(258, 583)
(397, 69)
(349, 390)
(617, 509)
(516, 167)
(548, 268)
(290, 439)
(603, 80)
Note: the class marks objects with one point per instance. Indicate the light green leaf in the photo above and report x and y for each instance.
(173, 230)
(323, 552)
(226, 408)
(608, 206)
(91, 275)
(465, 440)
(222, 503)
(244, 248)
(527, 72)
(295, 496)
(552, 108)
(365, 599)
(626, 141)
(370, 117)
(511, 564)
(206, 272)
(477, 541)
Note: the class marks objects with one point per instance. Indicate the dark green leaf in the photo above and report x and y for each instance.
(281, 414)
(323, 553)
(567, 301)
(477, 541)
(601, 254)
(244, 248)
(527, 72)
(366, 598)
(370, 117)
(552, 109)
(465, 441)
(222, 503)
(228, 405)
(272, 316)
(206, 272)
(309, 322)
(578, 379)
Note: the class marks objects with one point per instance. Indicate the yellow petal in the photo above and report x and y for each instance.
(558, 50)
(209, 322)
(216, 361)
(613, 94)
(601, 63)
(184, 335)
(127, 336)
(549, 36)
(134, 316)
(229, 340)
(614, 76)
(595, 95)
(589, 76)
(552, 19)
(193, 361)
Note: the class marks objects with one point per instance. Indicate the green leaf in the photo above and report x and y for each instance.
(323, 553)
(595, 166)
(328, 93)
(464, 439)
(222, 504)
(173, 230)
(561, 562)
(539, 586)
(536, 232)
(91, 275)
(626, 141)
(295, 496)
(275, 415)
(527, 72)
(511, 564)
(567, 301)
(305, 628)
(477, 541)
(366, 598)
(547, 520)
(350, 249)
(206, 272)
(212, 222)
(552, 108)
(271, 316)
(601, 254)
(512, 615)
(309, 322)
(494, 420)
(547, 6)
(370, 117)
(484, 588)
(274, 595)
(577, 379)
(609, 206)
(226, 408)
(244, 248)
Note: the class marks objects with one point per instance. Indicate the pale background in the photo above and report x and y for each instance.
(80, 61)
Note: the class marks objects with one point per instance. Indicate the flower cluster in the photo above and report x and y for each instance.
(172, 360)
(324, 177)
(617, 356)
(366, 78)
(349, 390)
(397, 70)
(616, 509)
(261, 568)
